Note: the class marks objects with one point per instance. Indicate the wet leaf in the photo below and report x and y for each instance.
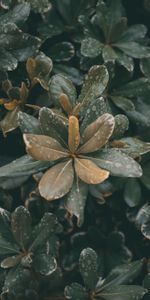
(18, 171)
(18, 15)
(10, 121)
(133, 49)
(135, 147)
(57, 181)
(91, 47)
(123, 103)
(132, 192)
(95, 109)
(122, 292)
(44, 148)
(94, 85)
(76, 199)
(60, 84)
(8, 247)
(117, 163)
(48, 226)
(28, 123)
(121, 126)
(145, 66)
(72, 73)
(97, 134)
(75, 291)
(62, 51)
(21, 226)
(10, 262)
(44, 264)
(88, 265)
(73, 134)
(89, 172)
(53, 126)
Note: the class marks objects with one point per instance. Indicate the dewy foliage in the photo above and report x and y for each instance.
(74, 150)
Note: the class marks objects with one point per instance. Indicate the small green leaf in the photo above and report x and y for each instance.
(108, 54)
(44, 264)
(21, 226)
(48, 225)
(91, 47)
(60, 84)
(76, 199)
(145, 67)
(88, 264)
(121, 126)
(146, 175)
(28, 123)
(133, 49)
(75, 291)
(62, 52)
(52, 125)
(18, 15)
(72, 73)
(8, 247)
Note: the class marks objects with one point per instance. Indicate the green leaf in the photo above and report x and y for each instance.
(21, 226)
(121, 126)
(11, 261)
(52, 125)
(125, 61)
(134, 147)
(44, 264)
(145, 66)
(91, 47)
(134, 33)
(133, 89)
(132, 192)
(122, 274)
(18, 44)
(5, 231)
(18, 171)
(48, 225)
(118, 163)
(76, 199)
(72, 73)
(94, 85)
(62, 52)
(95, 109)
(108, 54)
(18, 15)
(123, 103)
(8, 247)
(75, 291)
(123, 292)
(28, 123)
(88, 264)
(133, 49)
(146, 175)
(60, 84)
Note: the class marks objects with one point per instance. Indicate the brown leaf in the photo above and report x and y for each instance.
(97, 133)
(10, 121)
(42, 147)
(57, 181)
(89, 172)
(65, 103)
(74, 134)
(30, 66)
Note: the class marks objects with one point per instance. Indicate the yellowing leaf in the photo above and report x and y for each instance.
(89, 172)
(74, 134)
(57, 181)
(97, 133)
(42, 147)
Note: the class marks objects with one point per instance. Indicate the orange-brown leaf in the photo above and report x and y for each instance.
(57, 181)
(74, 134)
(89, 172)
(65, 103)
(42, 147)
(97, 133)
